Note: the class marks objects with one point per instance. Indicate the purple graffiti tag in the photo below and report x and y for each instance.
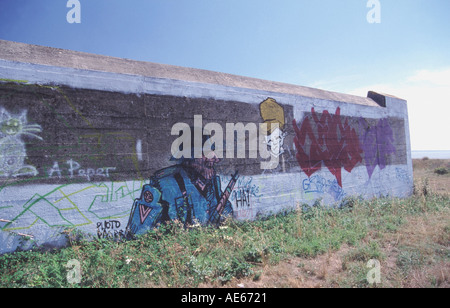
(377, 143)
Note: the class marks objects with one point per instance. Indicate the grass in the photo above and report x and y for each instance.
(315, 247)
(441, 170)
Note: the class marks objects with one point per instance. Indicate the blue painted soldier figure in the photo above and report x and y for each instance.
(189, 192)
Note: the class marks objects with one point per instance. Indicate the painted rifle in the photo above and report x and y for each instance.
(216, 214)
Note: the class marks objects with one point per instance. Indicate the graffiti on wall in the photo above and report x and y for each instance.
(327, 140)
(12, 147)
(73, 205)
(190, 192)
(98, 144)
(244, 197)
(377, 144)
(244, 192)
(278, 135)
(95, 157)
(402, 175)
(343, 142)
(319, 185)
(110, 229)
(73, 169)
(273, 115)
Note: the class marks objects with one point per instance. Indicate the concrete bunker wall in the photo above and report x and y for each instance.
(78, 142)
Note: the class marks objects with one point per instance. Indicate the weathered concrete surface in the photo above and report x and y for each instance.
(26, 53)
(82, 134)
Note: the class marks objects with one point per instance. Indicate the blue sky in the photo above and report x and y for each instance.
(326, 44)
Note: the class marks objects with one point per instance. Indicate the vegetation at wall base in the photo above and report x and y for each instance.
(245, 252)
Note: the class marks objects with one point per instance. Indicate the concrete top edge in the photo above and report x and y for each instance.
(26, 53)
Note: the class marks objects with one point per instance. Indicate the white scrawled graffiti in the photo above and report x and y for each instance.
(12, 147)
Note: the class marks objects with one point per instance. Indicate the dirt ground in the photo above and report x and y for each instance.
(422, 234)
(424, 170)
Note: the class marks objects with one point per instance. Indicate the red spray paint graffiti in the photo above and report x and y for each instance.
(328, 140)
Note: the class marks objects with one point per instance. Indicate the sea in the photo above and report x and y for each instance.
(430, 154)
